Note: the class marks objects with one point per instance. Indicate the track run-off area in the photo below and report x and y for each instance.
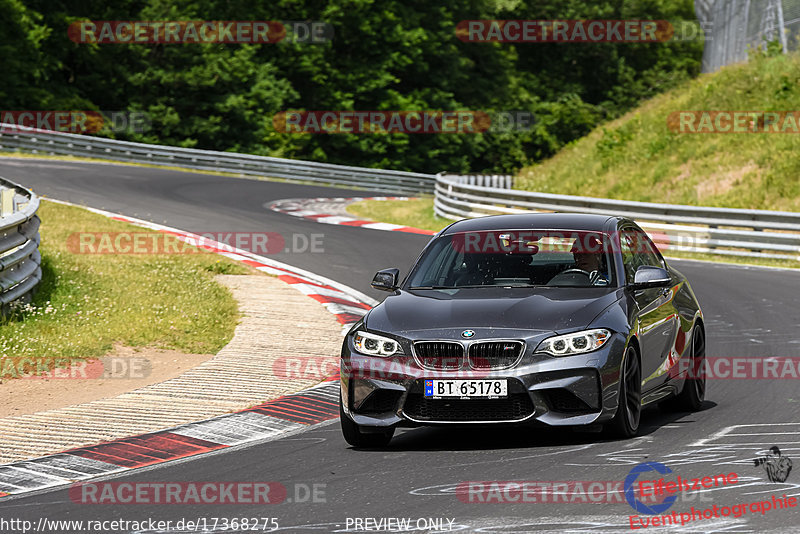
(416, 483)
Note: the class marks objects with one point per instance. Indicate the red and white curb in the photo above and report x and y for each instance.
(319, 210)
(269, 420)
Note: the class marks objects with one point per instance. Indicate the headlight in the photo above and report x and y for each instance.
(576, 343)
(375, 345)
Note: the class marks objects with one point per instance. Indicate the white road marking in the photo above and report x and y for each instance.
(334, 219)
(729, 435)
(382, 226)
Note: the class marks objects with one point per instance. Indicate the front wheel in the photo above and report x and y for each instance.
(354, 436)
(629, 410)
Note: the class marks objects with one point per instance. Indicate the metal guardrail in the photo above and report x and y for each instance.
(20, 261)
(13, 137)
(723, 231)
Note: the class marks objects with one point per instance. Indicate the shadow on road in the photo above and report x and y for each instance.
(480, 438)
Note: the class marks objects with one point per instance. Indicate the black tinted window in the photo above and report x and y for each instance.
(515, 258)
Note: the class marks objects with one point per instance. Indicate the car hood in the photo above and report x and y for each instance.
(553, 309)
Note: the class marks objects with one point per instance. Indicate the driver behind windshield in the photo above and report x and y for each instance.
(588, 255)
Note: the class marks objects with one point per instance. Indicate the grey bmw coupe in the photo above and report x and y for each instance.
(556, 319)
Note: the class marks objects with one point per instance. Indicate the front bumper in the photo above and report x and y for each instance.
(558, 391)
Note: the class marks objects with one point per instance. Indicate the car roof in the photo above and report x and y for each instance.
(533, 221)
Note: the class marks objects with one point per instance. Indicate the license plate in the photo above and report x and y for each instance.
(466, 389)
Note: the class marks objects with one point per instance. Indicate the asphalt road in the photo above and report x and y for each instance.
(749, 313)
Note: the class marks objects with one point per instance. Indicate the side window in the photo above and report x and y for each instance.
(627, 243)
(637, 250)
(647, 251)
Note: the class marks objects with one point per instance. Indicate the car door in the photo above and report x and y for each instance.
(655, 311)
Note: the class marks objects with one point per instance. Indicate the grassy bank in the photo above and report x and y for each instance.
(639, 157)
(87, 302)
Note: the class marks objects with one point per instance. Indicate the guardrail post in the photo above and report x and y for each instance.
(757, 249)
(712, 247)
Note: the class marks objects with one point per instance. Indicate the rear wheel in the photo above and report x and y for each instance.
(626, 421)
(690, 399)
(354, 435)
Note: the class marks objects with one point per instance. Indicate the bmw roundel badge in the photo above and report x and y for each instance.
(468, 333)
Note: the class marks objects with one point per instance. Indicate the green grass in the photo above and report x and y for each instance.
(88, 302)
(638, 157)
(417, 212)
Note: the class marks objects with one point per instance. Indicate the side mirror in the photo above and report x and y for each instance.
(386, 280)
(647, 277)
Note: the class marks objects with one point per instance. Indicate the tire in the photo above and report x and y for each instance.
(691, 398)
(354, 435)
(629, 410)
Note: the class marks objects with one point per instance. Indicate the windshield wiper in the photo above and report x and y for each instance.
(435, 287)
(474, 286)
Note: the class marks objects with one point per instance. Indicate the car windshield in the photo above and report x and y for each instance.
(515, 258)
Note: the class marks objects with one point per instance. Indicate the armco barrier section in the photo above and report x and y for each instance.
(722, 231)
(20, 261)
(37, 141)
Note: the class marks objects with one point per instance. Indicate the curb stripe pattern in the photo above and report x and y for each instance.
(307, 208)
(264, 421)
(268, 420)
(147, 449)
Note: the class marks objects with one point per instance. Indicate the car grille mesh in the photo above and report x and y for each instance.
(494, 354)
(515, 407)
(561, 400)
(440, 355)
(380, 401)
